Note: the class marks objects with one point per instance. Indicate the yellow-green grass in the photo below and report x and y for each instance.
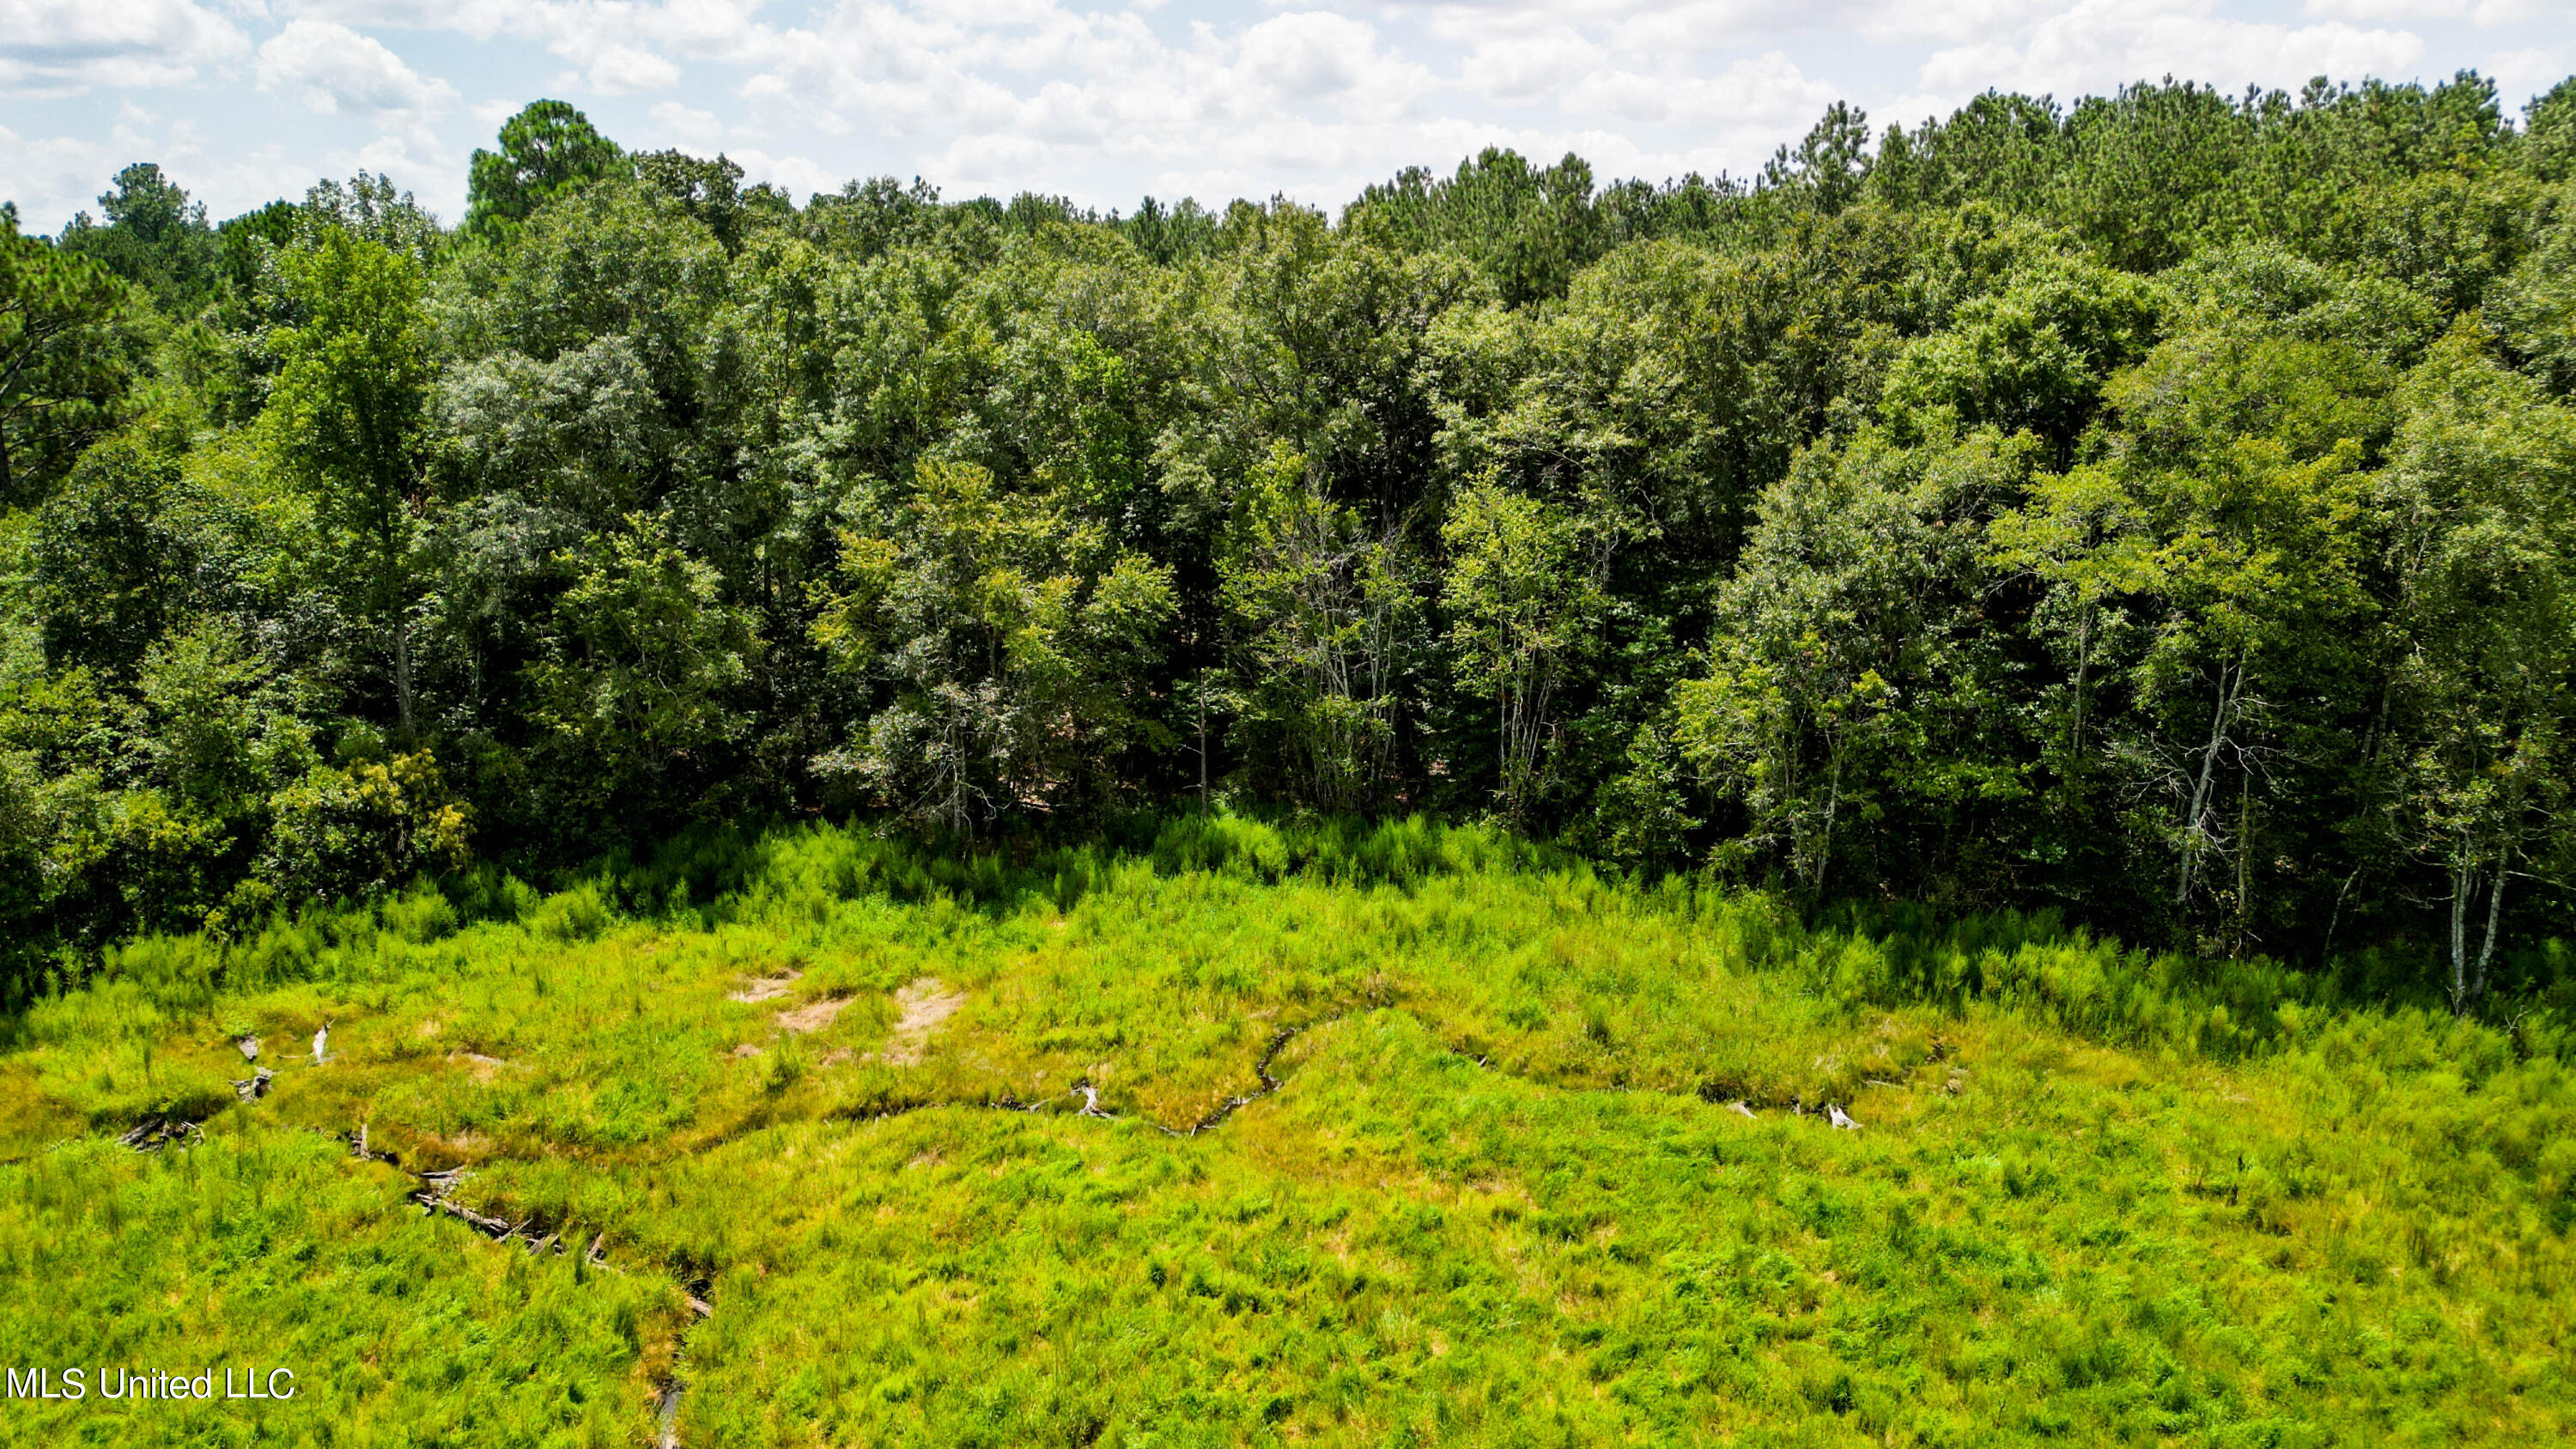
(1502, 1196)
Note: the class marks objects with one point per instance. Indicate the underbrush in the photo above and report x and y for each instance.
(1549, 1162)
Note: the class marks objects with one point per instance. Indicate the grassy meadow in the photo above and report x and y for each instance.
(1548, 1162)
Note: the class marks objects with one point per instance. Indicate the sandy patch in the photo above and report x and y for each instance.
(465, 1146)
(925, 1005)
(765, 988)
(814, 1015)
(484, 1068)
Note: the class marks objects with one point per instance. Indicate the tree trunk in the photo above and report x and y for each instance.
(1523, 709)
(402, 679)
(2083, 670)
(2463, 885)
(2244, 860)
(1825, 841)
(2335, 920)
(2195, 831)
(2495, 916)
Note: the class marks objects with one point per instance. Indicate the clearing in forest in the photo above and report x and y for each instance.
(1485, 1153)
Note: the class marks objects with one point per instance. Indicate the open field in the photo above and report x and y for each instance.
(1548, 1161)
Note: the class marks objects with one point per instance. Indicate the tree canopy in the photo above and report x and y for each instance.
(2152, 510)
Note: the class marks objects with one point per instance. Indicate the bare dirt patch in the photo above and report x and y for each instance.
(765, 988)
(465, 1146)
(746, 1050)
(484, 1068)
(925, 1005)
(814, 1015)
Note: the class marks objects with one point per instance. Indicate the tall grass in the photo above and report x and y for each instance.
(802, 877)
(2098, 1194)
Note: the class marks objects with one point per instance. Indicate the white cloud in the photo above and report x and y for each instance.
(1032, 90)
(620, 46)
(2525, 73)
(623, 69)
(50, 177)
(479, 19)
(1769, 94)
(1671, 29)
(335, 69)
(693, 129)
(1314, 54)
(1523, 67)
(2095, 45)
(795, 175)
(1952, 19)
(1698, 24)
(2484, 13)
(52, 47)
(2373, 12)
(2518, 12)
(1107, 99)
(706, 29)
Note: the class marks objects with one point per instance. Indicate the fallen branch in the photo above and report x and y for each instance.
(436, 1195)
(668, 1424)
(153, 1133)
(497, 1229)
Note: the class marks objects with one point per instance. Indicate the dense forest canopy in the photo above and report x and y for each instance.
(2161, 509)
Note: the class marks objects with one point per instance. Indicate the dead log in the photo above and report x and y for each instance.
(669, 1423)
(154, 1133)
(497, 1229)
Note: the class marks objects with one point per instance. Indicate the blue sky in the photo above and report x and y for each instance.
(247, 100)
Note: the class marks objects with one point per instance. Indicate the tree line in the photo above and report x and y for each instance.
(2161, 510)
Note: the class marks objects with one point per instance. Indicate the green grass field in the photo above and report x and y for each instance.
(1502, 1194)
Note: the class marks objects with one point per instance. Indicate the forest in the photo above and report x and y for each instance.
(2156, 512)
(1915, 800)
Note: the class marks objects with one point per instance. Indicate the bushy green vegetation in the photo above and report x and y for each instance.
(2154, 511)
(2096, 1195)
(1844, 607)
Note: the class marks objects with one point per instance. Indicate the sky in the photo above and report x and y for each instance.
(244, 101)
